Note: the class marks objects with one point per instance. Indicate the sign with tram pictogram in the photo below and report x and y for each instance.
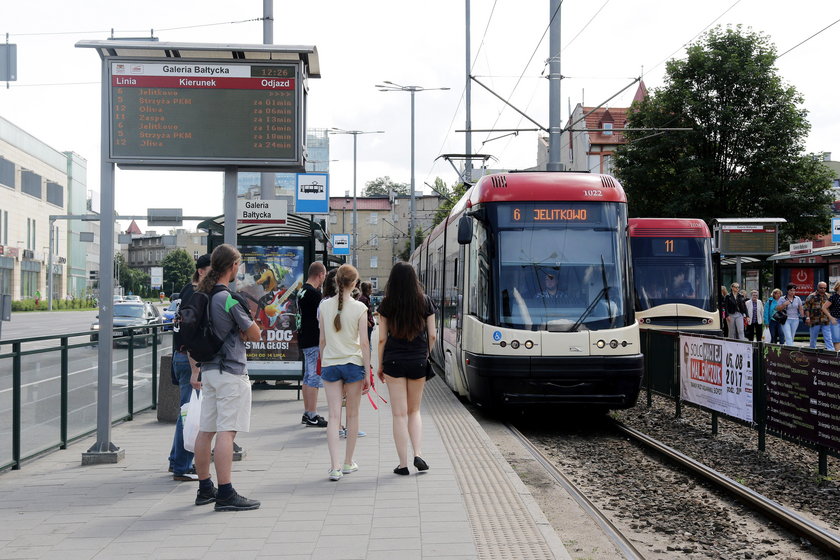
(718, 375)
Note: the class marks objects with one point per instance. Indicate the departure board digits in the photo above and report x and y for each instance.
(205, 112)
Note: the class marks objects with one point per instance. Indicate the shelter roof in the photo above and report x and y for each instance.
(183, 52)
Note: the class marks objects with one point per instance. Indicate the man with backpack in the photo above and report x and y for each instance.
(181, 460)
(309, 298)
(226, 398)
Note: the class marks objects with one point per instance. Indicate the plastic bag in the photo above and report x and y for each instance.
(766, 335)
(190, 417)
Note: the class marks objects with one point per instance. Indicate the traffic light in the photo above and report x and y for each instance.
(94, 275)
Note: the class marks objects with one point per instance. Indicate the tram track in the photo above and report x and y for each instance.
(613, 533)
(827, 540)
(664, 503)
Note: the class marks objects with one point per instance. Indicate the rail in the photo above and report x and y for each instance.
(48, 396)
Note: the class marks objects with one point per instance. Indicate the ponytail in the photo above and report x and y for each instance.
(345, 279)
(223, 257)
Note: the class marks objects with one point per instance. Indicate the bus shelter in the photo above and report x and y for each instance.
(275, 260)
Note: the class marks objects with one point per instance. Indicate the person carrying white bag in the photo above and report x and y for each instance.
(191, 419)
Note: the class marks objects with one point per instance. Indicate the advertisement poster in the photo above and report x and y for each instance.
(717, 374)
(803, 395)
(269, 279)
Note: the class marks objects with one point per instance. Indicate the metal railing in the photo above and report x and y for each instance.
(662, 377)
(48, 387)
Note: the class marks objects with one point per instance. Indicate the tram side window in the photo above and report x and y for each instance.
(479, 275)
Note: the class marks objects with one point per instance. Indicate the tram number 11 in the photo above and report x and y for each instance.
(669, 245)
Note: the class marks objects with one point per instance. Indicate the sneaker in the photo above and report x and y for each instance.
(316, 422)
(204, 498)
(342, 433)
(186, 477)
(335, 474)
(235, 502)
(347, 469)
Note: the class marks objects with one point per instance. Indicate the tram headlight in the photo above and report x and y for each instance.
(529, 344)
(600, 344)
(503, 344)
(514, 344)
(613, 344)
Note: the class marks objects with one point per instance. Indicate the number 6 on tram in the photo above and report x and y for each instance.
(530, 274)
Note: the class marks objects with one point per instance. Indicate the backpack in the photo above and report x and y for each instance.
(194, 324)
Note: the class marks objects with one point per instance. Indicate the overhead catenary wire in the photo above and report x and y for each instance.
(808, 39)
(98, 31)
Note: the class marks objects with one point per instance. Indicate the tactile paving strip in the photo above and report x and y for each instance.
(503, 524)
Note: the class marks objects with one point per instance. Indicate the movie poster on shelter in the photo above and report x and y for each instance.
(717, 374)
(269, 279)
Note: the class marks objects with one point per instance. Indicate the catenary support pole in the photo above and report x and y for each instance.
(555, 124)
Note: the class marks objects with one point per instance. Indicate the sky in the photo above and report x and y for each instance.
(605, 45)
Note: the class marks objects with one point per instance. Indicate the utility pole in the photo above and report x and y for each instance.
(555, 124)
(267, 187)
(468, 94)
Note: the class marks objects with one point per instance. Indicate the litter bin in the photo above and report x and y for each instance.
(169, 395)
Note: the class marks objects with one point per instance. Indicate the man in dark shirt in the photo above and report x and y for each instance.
(309, 298)
(180, 460)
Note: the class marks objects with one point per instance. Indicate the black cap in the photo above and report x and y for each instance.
(791, 286)
(203, 260)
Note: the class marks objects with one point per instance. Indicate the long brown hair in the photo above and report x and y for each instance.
(345, 280)
(404, 303)
(221, 260)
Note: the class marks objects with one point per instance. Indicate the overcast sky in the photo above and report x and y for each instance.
(605, 45)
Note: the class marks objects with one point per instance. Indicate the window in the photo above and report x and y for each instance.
(374, 261)
(5, 232)
(608, 129)
(374, 218)
(374, 283)
(30, 183)
(55, 194)
(195, 255)
(30, 234)
(7, 173)
(374, 240)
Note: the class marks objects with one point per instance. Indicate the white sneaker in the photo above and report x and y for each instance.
(335, 474)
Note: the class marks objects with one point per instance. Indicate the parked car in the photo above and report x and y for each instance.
(168, 314)
(131, 314)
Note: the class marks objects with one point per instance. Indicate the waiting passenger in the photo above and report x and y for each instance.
(755, 317)
(735, 311)
(776, 332)
(816, 319)
(792, 305)
(832, 308)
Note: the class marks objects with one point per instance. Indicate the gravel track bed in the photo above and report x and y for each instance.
(666, 511)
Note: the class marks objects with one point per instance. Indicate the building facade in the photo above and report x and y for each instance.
(39, 187)
(382, 225)
(147, 250)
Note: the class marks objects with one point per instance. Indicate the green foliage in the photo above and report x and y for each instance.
(58, 304)
(178, 269)
(382, 185)
(744, 156)
(450, 198)
(132, 280)
(405, 254)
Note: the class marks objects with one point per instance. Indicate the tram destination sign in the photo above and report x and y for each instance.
(749, 239)
(205, 114)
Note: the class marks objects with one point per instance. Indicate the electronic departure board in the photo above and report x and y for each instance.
(206, 113)
(747, 239)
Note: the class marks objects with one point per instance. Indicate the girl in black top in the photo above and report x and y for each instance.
(406, 337)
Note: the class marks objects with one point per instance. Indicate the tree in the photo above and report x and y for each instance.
(405, 254)
(178, 269)
(131, 279)
(450, 197)
(381, 186)
(744, 156)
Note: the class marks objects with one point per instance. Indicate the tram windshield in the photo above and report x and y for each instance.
(672, 270)
(561, 266)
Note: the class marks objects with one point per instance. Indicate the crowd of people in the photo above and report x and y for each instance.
(335, 337)
(746, 319)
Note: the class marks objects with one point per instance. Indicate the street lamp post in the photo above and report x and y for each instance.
(391, 86)
(355, 134)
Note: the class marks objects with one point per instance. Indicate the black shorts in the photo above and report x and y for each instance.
(409, 369)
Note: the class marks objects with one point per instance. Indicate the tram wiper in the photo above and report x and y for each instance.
(604, 292)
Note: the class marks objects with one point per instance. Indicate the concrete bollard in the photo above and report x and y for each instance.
(169, 395)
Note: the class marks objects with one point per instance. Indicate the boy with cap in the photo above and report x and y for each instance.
(181, 460)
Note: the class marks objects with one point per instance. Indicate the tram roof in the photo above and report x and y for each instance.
(671, 227)
(184, 52)
(546, 186)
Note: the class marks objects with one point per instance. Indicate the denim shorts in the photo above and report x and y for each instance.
(310, 367)
(349, 373)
